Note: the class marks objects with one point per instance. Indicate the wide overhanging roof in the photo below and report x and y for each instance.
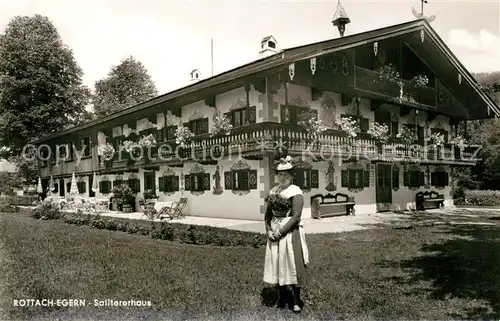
(445, 64)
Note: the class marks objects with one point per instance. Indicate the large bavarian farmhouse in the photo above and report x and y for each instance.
(403, 76)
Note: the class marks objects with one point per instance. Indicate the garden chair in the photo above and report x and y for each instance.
(177, 209)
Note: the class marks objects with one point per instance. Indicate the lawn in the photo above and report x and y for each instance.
(427, 272)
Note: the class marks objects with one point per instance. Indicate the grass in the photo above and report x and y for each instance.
(431, 272)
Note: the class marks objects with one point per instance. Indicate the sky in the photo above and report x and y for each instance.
(172, 37)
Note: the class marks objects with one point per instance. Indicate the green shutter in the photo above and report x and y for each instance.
(204, 129)
(395, 178)
(228, 180)
(314, 178)
(161, 183)
(252, 115)
(187, 182)
(206, 182)
(344, 178)
(395, 128)
(434, 180)
(366, 179)
(229, 116)
(175, 182)
(252, 179)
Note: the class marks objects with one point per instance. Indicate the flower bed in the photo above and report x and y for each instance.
(182, 233)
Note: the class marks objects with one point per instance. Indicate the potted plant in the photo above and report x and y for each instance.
(221, 124)
(124, 197)
(183, 135)
(149, 196)
(315, 128)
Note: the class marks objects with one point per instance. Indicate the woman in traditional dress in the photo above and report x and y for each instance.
(287, 254)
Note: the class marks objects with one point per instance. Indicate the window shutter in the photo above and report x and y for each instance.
(364, 124)
(298, 177)
(344, 178)
(352, 178)
(228, 180)
(314, 178)
(175, 182)
(366, 180)
(161, 183)
(395, 128)
(187, 182)
(206, 181)
(446, 179)
(204, 130)
(405, 178)
(252, 115)
(420, 132)
(229, 116)
(285, 114)
(252, 179)
(101, 187)
(433, 179)
(395, 178)
(421, 179)
(68, 186)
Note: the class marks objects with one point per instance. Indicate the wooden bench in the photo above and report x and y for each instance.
(429, 200)
(331, 205)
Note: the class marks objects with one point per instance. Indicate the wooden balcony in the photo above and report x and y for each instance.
(254, 140)
(369, 82)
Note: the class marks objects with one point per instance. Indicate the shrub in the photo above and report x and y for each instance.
(482, 197)
(459, 196)
(7, 207)
(166, 232)
(46, 211)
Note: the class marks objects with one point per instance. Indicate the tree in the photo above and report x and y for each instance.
(127, 84)
(41, 90)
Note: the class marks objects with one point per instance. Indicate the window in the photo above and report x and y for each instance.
(149, 181)
(168, 184)
(443, 132)
(117, 182)
(81, 187)
(170, 132)
(197, 182)
(86, 147)
(363, 123)
(295, 115)
(134, 184)
(440, 179)
(105, 187)
(355, 178)
(160, 135)
(198, 126)
(68, 187)
(240, 180)
(239, 117)
(271, 44)
(419, 129)
(414, 178)
(302, 178)
(56, 188)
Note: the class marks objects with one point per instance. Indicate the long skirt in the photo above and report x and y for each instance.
(286, 260)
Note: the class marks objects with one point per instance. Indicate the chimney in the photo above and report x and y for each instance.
(268, 47)
(195, 75)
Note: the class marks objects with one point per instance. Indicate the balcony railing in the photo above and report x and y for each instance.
(369, 80)
(257, 138)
